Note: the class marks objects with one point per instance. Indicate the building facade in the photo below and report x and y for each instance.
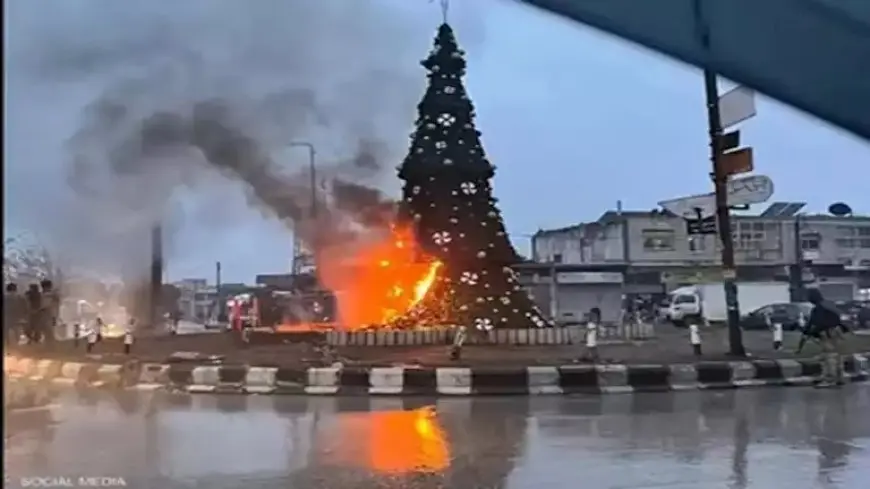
(196, 298)
(654, 252)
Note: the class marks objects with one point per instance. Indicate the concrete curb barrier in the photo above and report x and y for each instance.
(530, 336)
(441, 381)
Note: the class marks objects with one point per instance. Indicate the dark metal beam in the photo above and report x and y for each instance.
(811, 54)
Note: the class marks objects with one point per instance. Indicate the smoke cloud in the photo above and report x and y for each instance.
(166, 111)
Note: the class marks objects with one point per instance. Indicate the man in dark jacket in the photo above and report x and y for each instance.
(34, 314)
(14, 315)
(50, 311)
(825, 325)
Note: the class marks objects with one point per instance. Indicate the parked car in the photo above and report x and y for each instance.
(858, 313)
(786, 313)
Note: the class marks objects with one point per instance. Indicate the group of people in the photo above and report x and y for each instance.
(32, 314)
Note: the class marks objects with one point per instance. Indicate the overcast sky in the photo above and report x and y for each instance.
(574, 120)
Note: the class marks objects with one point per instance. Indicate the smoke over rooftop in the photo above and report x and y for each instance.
(125, 113)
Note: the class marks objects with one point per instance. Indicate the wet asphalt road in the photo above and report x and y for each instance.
(794, 438)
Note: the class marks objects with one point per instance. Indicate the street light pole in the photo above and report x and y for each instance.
(312, 170)
(312, 212)
(720, 181)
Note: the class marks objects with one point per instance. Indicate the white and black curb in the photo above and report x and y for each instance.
(440, 381)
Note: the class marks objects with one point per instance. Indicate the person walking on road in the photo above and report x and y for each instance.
(50, 311)
(14, 315)
(32, 328)
(826, 326)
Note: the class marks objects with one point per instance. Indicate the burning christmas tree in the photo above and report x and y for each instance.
(447, 202)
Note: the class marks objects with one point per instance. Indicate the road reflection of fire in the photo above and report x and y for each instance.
(392, 442)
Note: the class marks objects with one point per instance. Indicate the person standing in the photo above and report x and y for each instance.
(33, 298)
(14, 313)
(50, 311)
(825, 324)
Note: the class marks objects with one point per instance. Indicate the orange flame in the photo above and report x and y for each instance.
(390, 442)
(380, 281)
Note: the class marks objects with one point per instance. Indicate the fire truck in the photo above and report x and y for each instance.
(275, 309)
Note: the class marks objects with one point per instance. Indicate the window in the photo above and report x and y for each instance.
(846, 242)
(557, 258)
(864, 231)
(810, 242)
(846, 230)
(865, 243)
(697, 243)
(749, 236)
(865, 263)
(658, 239)
(763, 311)
(684, 299)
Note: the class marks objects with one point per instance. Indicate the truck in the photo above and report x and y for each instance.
(707, 300)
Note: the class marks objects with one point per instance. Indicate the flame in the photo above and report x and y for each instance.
(380, 281)
(391, 442)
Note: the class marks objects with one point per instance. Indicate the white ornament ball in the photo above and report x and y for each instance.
(481, 254)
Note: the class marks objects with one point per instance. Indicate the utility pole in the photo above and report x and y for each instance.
(797, 272)
(156, 279)
(720, 181)
(312, 170)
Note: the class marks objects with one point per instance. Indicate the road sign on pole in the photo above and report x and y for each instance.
(754, 189)
(705, 225)
(730, 141)
(737, 162)
(736, 106)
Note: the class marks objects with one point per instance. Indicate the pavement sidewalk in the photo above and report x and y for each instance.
(671, 346)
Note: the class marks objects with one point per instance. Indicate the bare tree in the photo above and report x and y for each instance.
(26, 261)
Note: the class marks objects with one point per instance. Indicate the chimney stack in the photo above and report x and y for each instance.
(156, 282)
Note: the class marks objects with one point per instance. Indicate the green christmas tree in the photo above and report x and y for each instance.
(447, 199)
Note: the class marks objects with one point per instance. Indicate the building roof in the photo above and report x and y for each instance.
(612, 217)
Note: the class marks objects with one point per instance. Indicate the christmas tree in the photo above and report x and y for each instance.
(447, 201)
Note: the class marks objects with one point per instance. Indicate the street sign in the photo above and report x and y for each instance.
(741, 191)
(729, 141)
(737, 162)
(736, 106)
(706, 225)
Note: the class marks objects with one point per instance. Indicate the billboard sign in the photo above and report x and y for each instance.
(741, 191)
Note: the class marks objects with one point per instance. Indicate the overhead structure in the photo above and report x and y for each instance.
(783, 209)
(811, 54)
